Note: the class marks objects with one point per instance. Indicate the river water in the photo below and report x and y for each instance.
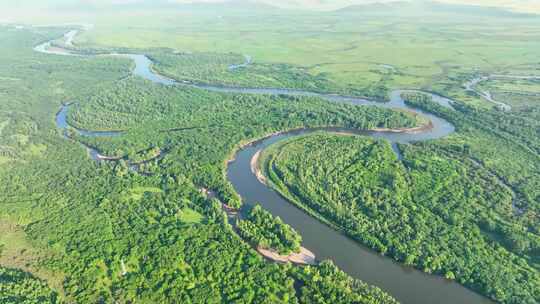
(407, 285)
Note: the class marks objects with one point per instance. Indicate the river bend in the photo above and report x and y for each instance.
(407, 285)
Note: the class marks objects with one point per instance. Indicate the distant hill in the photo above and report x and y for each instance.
(419, 7)
(324, 4)
(375, 7)
(9, 9)
(522, 6)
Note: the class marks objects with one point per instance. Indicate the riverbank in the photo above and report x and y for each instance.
(345, 249)
(255, 168)
(422, 128)
(304, 257)
(284, 193)
(250, 142)
(101, 157)
(254, 161)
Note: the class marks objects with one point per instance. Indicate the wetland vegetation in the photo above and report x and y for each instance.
(465, 207)
(208, 68)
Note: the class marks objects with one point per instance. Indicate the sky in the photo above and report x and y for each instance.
(12, 9)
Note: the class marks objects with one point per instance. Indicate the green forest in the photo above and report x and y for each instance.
(264, 230)
(445, 208)
(145, 212)
(99, 232)
(19, 287)
(201, 129)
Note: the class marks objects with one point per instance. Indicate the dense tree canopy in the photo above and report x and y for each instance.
(17, 287)
(110, 234)
(266, 231)
(200, 129)
(444, 208)
(465, 207)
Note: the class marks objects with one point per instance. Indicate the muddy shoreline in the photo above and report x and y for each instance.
(304, 257)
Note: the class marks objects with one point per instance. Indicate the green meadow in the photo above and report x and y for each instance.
(415, 44)
(403, 45)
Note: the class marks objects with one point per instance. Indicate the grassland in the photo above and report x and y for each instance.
(418, 45)
(190, 216)
(17, 252)
(217, 69)
(138, 192)
(518, 93)
(74, 223)
(431, 52)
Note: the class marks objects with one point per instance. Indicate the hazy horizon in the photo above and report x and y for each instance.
(8, 9)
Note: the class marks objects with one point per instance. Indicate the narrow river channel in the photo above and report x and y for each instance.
(407, 285)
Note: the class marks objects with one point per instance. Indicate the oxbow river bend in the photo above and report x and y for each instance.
(407, 285)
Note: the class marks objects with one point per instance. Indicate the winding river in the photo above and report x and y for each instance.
(473, 83)
(407, 285)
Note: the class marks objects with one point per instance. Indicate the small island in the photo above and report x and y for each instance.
(273, 238)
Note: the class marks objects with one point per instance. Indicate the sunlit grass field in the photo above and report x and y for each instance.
(394, 46)
(421, 45)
